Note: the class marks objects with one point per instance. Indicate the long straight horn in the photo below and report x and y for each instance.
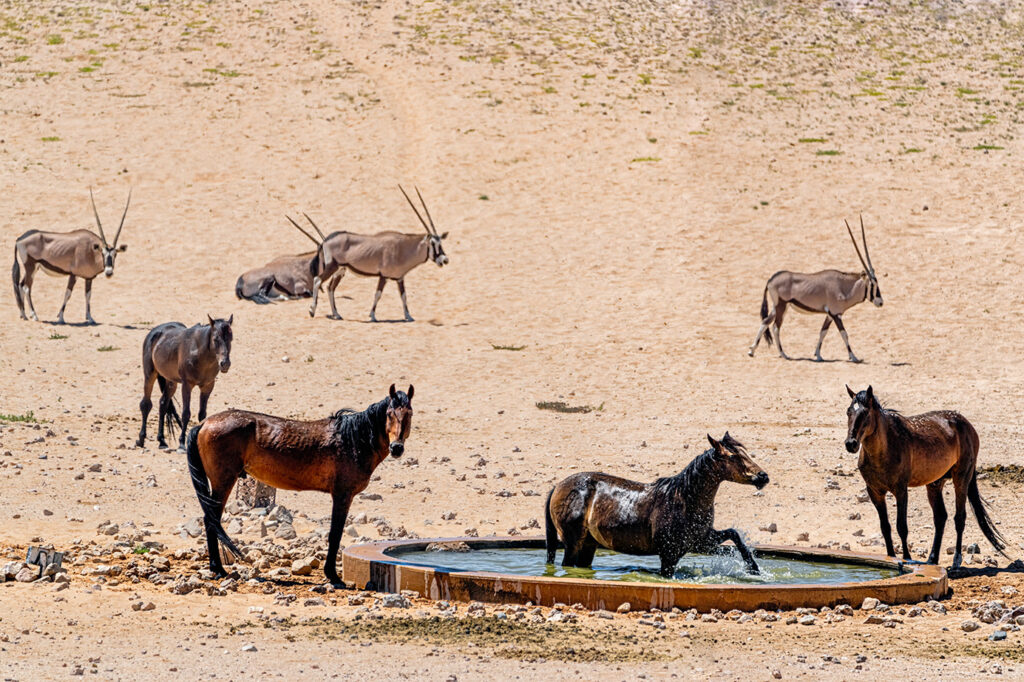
(864, 239)
(118, 235)
(322, 237)
(427, 211)
(855, 245)
(97, 214)
(299, 228)
(425, 226)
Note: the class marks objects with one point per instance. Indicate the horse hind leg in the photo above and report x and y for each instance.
(585, 557)
(939, 515)
(166, 406)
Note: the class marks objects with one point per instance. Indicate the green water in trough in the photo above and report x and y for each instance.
(721, 569)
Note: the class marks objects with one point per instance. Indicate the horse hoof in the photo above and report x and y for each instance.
(140, 443)
(162, 445)
(334, 317)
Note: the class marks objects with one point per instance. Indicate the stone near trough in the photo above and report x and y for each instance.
(997, 636)
(969, 626)
(624, 607)
(869, 604)
(250, 493)
(28, 574)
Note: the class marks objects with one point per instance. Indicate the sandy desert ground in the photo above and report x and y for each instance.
(619, 178)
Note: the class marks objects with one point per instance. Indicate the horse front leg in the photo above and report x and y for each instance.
(721, 536)
(204, 397)
(339, 514)
(901, 522)
(878, 499)
(668, 565)
(186, 412)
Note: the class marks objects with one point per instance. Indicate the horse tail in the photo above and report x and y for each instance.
(206, 499)
(988, 529)
(171, 416)
(549, 526)
(764, 314)
(16, 275)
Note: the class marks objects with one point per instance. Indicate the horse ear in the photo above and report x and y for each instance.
(392, 393)
(231, 319)
(210, 319)
(871, 395)
(410, 391)
(850, 391)
(714, 443)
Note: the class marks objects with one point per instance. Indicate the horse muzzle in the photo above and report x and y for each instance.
(396, 449)
(760, 480)
(852, 445)
(225, 365)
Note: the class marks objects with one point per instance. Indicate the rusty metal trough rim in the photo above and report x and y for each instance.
(916, 582)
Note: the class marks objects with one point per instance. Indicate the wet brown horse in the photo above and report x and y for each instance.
(669, 517)
(173, 354)
(897, 453)
(336, 455)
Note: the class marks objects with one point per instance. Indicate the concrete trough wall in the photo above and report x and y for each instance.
(378, 566)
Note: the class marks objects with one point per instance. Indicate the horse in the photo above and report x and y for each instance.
(173, 354)
(669, 517)
(336, 455)
(898, 452)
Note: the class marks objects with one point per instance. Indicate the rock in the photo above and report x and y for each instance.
(194, 528)
(770, 528)
(855, 516)
(997, 636)
(10, 570)
(869, 604)
(448, 516)
(372, 497)
(27, 574)
(969, 626)
(160, 563)
(807, 620)
(844, 610)
(107, 528)
(874, 619)
(973, 548)
(285, 531)
(315, 601)
(250, 647)
(395, 601)
(777, 674)
(803, 537)
(304, 566)
(624, 607)
(937, 607)
(601, 613)
(456, 546)
(97, 467)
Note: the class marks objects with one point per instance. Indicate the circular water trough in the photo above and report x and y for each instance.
(379, 566)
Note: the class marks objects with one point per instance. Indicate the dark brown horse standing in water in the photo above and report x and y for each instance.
(897, 453)
(172, 355)
(336, 455)
(669, 517)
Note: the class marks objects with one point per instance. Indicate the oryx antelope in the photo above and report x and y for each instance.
(76, 254)
(385, 255)
(830, 291)
(282, 279)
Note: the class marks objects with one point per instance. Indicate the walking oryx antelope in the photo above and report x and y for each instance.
(386, 255)
(76, 254)
(830, 291)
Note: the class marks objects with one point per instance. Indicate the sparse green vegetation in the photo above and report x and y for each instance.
(107, 349)
(645, 159)
(57, 337)
(54, 39)
(511, 348)
(828, 152)
(27, 418)
(986, 147)
(812, 140)
(50, 138)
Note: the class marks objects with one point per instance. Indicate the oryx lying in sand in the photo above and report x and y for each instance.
(385, 255)
(76, 254)
(282, 279)
(830, 291)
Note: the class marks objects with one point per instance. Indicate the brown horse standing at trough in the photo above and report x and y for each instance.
(669, 517)
(897, 453)
(336, 455)
(173, 354)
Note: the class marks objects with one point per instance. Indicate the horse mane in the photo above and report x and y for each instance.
(685, 480)
(357, 431)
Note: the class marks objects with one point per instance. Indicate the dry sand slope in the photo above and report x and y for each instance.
(619, 180)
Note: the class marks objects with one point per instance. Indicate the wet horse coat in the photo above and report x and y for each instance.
(669, 517)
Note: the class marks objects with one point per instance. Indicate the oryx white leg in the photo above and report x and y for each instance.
(376, 297)
(26, 288)
(821, 336)
(760, 332)
(846, 339)
(331, 286)
(67, 295)
(316, 296)
(88, 302)
(405, 306)
(780, 311)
